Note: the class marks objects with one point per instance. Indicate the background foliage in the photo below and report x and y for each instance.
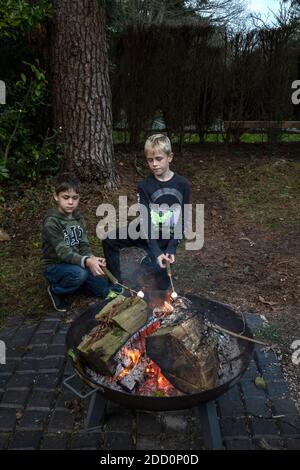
(180, 66)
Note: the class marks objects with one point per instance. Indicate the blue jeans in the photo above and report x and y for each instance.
(67, 278)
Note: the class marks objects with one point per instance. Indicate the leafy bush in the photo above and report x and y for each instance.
(19, 16)
(24, 153)
(27, 147)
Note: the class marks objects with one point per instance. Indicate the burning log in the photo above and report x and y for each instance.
(186, 355)
(118, 320)
(101, 353)
(115, 307)
(133, 317)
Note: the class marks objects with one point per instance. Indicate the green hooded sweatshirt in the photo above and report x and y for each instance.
(64, 240)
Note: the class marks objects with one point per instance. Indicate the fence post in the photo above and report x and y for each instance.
(2, 92)
(2, 352)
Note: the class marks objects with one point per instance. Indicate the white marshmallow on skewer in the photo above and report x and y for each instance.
(174, 295)
(140, 294)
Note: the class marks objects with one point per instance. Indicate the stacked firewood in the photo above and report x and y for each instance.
(183, 346)
(116, 323)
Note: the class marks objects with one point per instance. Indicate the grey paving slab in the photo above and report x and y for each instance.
(37, 412)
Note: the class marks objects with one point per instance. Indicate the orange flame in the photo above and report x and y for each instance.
(134, 355)
(155, 373)
(163, 383)
(168, 297)
(167, 307)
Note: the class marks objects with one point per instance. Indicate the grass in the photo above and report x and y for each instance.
(123, 137)
(271, 194)
(260, 191)
(269, 333)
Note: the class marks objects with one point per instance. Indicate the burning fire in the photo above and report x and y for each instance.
(165, 308)
(168, 308)
(154, 373)
(134, 355)
(131, 356)
(163, 383)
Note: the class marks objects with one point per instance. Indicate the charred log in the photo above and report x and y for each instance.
(186, 355)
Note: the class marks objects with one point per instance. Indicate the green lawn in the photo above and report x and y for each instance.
(121, 137)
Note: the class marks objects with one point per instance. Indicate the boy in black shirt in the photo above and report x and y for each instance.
(163, 194)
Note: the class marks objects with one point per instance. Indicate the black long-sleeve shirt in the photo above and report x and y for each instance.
(153, 193)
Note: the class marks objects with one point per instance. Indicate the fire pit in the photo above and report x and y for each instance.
(155, 392)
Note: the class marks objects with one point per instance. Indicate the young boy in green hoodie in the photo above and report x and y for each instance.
(69, 264)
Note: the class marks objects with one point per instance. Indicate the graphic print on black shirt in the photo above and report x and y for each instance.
(165, 202)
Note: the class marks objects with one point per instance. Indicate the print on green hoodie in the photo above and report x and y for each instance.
(64, 239)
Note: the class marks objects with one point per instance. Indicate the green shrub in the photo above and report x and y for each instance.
(25, 154)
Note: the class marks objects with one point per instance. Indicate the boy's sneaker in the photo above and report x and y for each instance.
(114, 292)
(59, 302)
(118, 289)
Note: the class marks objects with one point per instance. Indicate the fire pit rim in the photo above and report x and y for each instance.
(165, 403)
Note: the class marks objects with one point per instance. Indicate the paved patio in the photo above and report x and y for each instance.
(37, 412)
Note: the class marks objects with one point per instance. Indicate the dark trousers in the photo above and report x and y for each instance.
(67, 279)
(112, 247)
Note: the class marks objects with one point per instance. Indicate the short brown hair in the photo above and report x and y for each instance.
(65, 182)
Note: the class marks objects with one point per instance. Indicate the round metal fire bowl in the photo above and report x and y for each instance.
(217, 312)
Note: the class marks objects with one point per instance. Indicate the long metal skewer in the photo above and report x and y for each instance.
(114, 280)
(169, 273)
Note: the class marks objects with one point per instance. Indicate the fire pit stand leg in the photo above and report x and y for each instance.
(210, 425)
(96, 412)
(97, 405)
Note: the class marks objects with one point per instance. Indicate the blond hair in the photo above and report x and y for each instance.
(160, 141)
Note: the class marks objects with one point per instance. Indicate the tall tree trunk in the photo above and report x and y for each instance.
(81, 90)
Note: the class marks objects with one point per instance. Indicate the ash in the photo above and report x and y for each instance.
(229, 354)
(183, 309)
(137, 375)
(103, 380)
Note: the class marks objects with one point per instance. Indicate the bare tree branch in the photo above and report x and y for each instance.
(150, 12)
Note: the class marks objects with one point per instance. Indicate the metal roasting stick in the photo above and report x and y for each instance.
(114, 280)
(217, 327)
(128, 288)
(237, 335)
(110, 276)
(213, 325)
(169, 273)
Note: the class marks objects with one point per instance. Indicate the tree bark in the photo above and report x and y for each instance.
(80, 89)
